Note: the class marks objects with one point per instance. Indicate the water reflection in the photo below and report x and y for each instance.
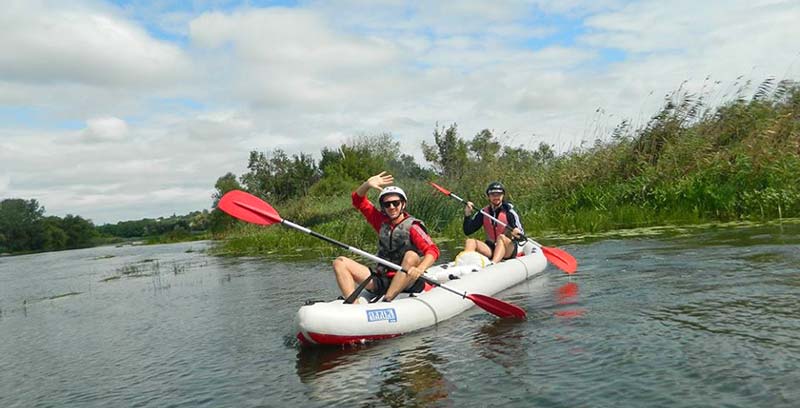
(503, 341)
(568, 295)
(413, 381)
(383, 374)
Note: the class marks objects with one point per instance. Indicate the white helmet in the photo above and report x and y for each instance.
(393, 190)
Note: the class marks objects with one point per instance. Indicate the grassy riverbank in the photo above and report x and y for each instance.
(690, 164)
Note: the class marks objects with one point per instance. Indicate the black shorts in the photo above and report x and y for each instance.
(490, 244)
(382, 282)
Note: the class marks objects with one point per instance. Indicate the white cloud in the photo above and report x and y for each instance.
(43, 42)
(136, 175)
(643, 28)
(286, 57)
(105, 129)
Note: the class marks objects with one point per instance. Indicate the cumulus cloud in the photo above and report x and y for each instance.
(51, 42)
(105, 129)
(288, 57)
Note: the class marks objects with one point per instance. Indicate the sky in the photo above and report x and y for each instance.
(121, 110)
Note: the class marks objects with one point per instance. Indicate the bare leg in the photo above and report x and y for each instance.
(482, 248)
(401, 280)
(349, 273)
(502, 248)
(510, 246)
(470, 245)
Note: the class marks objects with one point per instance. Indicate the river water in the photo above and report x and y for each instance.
(707, 318)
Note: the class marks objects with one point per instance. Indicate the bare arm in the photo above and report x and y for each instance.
(422, 240)
(427, 262)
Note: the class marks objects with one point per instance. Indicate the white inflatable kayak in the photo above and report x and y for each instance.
(336, 323)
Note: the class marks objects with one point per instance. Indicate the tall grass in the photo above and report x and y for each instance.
(740, 161)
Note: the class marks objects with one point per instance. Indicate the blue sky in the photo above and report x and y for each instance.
(127, 109)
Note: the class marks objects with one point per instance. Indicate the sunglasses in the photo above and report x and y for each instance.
(393, 204)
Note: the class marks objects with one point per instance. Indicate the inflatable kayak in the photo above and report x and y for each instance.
(337, 323)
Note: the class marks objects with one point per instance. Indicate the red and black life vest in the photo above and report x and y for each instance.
(494, 229)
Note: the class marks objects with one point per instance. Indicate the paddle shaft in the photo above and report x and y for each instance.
(367, 255)
(485, 214)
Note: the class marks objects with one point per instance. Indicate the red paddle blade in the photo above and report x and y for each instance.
(496, 306)
(248, 207)
(560, 259)
(440, 188)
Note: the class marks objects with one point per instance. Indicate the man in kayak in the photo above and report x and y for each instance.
(499, 243)
(402, 239)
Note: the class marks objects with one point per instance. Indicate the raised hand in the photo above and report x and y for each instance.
(381, 180)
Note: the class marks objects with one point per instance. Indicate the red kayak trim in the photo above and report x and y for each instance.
(308, 339)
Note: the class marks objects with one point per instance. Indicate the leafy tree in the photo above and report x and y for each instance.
(21, 224)
(449, 152)
(278, 176)
(360, 157)
(377, 146)
(259, 172)
(407, 168)
(484, 147)
(544, 154)
(199, 220)
(219, 221)
(302, 174)
(357, 160)
(79, 231)
(520, 159)
(54, 236)
(224, 185)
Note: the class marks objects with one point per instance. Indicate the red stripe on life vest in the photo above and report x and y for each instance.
(422, 234)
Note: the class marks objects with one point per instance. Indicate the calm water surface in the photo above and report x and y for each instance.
(707, 319)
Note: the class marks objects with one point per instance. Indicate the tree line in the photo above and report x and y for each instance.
(276, 176)
(24, 227)
(172, 228)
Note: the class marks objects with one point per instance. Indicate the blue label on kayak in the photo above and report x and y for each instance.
(378, 315)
